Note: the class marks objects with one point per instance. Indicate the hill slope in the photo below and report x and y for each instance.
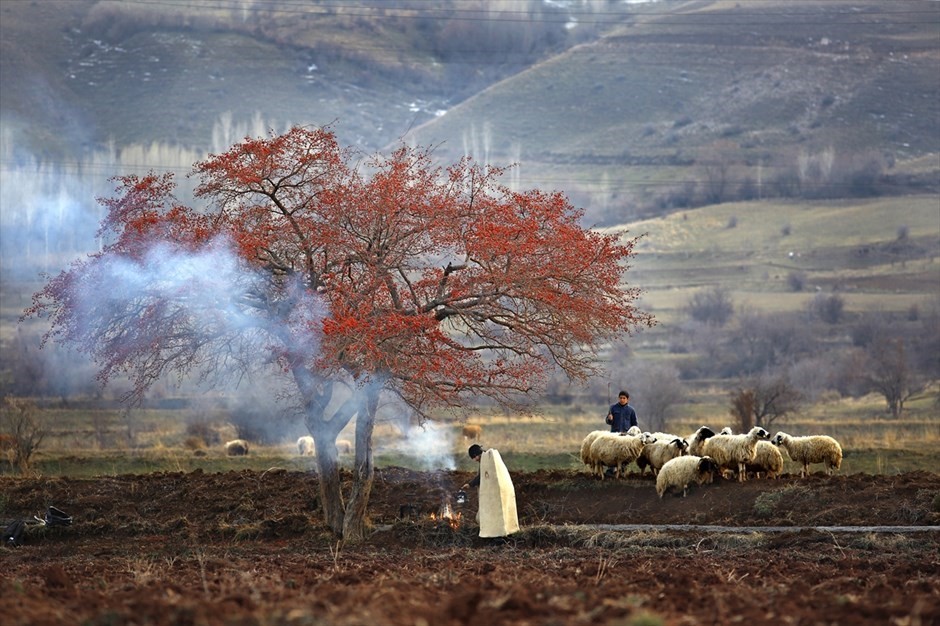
(716, 94)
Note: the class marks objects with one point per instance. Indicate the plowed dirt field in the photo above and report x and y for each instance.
(249, 548)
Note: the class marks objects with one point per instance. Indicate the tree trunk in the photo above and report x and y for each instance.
(355, 522)
(331, 493)
(317, 394)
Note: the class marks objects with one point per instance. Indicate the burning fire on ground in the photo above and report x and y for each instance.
(447, 513)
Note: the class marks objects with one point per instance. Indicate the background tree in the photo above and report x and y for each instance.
(890, 371)
(435, 285)
(763, 400)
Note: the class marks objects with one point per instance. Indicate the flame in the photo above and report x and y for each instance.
(447, 514)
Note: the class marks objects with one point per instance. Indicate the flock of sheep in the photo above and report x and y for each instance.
(680, 462)
(676, 462)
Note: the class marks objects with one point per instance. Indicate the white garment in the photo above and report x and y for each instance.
(497, 515)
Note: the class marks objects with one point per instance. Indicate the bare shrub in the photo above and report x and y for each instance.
(19, 418)
(796, 281)
(712, 306)
(829, 308)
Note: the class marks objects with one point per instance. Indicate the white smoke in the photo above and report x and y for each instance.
(431, 446)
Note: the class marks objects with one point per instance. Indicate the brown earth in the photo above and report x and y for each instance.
(249, 548)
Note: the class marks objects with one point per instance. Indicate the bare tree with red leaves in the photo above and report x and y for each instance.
(436, 285)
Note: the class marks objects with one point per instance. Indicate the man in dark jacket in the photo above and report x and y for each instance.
(621, 415)
(475, 452)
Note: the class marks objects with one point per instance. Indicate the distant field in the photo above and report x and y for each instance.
(86, 443)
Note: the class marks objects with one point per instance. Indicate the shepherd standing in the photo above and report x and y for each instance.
(621, 415)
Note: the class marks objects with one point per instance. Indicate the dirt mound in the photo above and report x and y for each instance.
(249, 548)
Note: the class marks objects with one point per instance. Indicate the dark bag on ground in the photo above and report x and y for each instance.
(13, 534)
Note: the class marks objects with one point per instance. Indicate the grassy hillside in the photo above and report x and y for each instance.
(852, 248)
(715, 93)
(77, 74)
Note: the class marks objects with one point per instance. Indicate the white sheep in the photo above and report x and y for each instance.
(684, 471)
(594, 434)
(767, 460)
(586, 445)
(811, 449)
(616, 450)
(697, 440)
(236, 447)
(665, 448)
(305, 446)
(734, 452)
(642, 461)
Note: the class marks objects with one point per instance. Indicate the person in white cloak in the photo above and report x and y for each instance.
(497, 512)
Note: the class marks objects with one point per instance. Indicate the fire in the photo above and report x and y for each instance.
(447, 514)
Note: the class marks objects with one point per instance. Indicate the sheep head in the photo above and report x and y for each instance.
(759, 433)
(707, 465)
(704, 433)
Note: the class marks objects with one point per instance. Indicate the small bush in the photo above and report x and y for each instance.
(829, 309)
(796, 281)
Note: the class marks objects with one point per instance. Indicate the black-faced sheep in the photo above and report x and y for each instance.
(656, 454)
(305, 446)
(616, 450)
(734, 452)
(811, 449)
(684, 471)
(697, 440)
(236, 447)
